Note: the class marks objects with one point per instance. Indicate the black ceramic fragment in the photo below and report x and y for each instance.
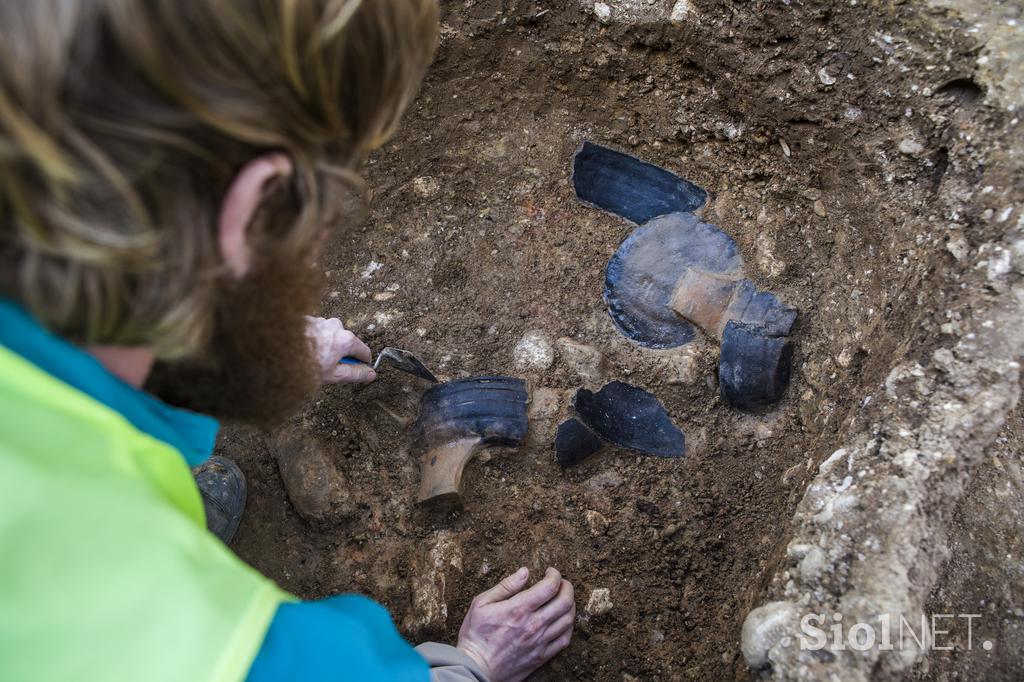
(574, 442)
(761, 308)
(491, 408)
(629, 417)
(754, 366)
(642, 276)
(631, 188)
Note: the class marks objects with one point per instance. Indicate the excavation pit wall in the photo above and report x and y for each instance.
(848, 150)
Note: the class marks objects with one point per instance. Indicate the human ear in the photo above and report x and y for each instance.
(241, 202)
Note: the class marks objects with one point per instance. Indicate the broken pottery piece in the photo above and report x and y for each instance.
(673, 272)
(574, 442)
(629, 417)
(760, 308)
(459, 418)
(754, 366)
(711, 299)
(642, 276)
(703, 297)
(631, 188)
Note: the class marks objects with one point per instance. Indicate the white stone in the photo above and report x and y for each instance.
(600, 601)
(762, 630)
(425, 186)
(533, 352)
(958, 247)
(602, 11)
(596, 521)
(680, 10)
(368, 271)
(826, 466)
(813, 564)
(911, 147)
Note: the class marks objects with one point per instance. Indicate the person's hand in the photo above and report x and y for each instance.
(510, 632)
(332, 342)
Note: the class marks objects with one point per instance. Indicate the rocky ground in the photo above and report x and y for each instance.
(865, 158)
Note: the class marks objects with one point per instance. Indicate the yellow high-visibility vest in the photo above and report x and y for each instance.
(107, 572)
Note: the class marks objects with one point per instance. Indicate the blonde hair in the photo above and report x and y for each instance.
(122, 123)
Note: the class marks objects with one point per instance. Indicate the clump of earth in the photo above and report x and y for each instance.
(865, 159)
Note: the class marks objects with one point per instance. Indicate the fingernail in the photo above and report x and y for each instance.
(372, 375)
(521, 573)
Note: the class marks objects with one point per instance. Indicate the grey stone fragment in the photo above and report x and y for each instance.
(315, 487)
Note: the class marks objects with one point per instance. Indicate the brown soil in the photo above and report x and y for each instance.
(480, 240)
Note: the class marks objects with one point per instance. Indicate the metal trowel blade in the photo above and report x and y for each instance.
(405, 361)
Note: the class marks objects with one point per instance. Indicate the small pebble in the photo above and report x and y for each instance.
(533, 352)
(911, 147)
(582, 360)
(596, 521)
(425, 186)
(600, 602)
(606, 480)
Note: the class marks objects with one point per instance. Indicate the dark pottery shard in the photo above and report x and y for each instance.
(642, 276)
(631, 188)
(492, 408)
(459, 418)
(574, 442)
(629, 417)
(754, 366)
(761, 308)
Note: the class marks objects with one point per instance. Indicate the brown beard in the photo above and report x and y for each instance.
(259, 367)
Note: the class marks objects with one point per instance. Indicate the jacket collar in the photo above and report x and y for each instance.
(192, 434)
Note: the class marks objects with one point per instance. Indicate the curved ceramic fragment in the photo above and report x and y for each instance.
(711, 299)
(574, 442)
(492, 408)
(631, 188)
(703, 298)
(459, 418)
(643, 274)
(754, 366)
(760, 308)
(629, 417)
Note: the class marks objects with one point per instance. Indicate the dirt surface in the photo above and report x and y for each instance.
(840, 146)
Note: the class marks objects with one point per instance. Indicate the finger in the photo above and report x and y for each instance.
(351, 374)
(359, 350)
(555, 646)
(557, 607)
(560, 626)
(508, 586)
(540, 594)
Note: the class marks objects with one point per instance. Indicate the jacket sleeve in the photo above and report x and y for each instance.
(346, 637)
(448, 664)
